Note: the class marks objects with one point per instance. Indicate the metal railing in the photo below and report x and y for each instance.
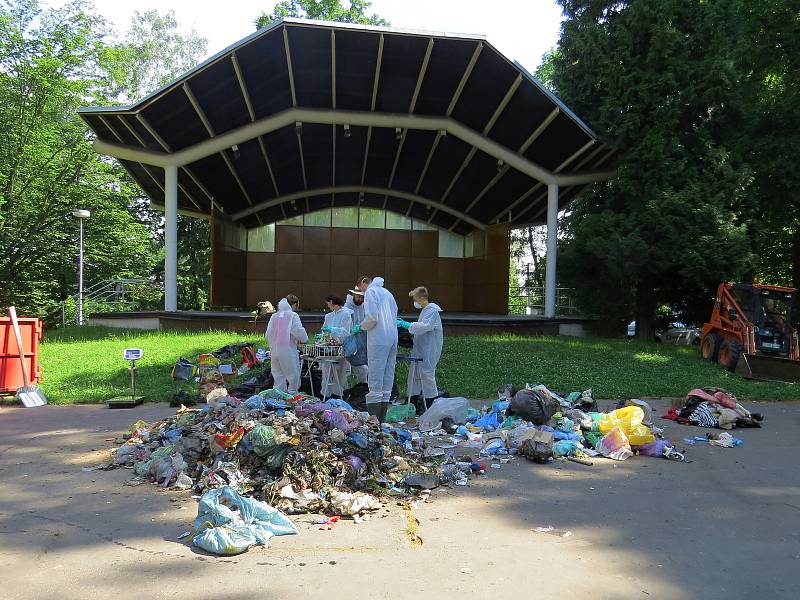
(529, 300)
(108, 295)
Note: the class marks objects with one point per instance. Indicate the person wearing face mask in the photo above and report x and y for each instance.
(428, 340)
(284, 331)
(355, 302)
(380, 323)
(339, 317)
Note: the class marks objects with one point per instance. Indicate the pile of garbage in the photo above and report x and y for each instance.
(296, 453)
(541, 425)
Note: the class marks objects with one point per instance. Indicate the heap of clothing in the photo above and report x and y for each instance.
(714, 408)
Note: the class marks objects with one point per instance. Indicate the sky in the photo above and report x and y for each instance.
(522, 29)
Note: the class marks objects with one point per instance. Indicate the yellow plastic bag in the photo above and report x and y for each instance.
(627, 419)
(641, 435)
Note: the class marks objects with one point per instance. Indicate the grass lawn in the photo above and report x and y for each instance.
(86, 365)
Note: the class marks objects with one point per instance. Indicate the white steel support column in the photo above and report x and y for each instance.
(171, 238)
(552, 239)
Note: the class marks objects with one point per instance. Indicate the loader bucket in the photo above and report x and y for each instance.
(768, 368)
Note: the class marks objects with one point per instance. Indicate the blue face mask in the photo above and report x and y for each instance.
(417, 305)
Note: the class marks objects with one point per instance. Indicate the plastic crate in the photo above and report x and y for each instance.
(315, 351)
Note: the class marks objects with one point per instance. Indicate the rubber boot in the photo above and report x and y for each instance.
(382, 412)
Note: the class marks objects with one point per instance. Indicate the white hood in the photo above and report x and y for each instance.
(378, 282)
(283, 305)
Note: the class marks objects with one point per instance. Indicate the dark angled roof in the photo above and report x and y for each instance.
(304, 115)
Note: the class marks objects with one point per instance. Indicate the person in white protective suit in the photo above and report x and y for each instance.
(284, 331)
(355, 302)
(428, 339)
(338, 322)
(380, 323)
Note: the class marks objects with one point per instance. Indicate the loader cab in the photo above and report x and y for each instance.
(769, 310)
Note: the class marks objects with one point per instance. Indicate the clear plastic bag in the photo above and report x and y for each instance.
(455, 408)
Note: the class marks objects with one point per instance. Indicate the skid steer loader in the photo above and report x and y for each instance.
(750, 332)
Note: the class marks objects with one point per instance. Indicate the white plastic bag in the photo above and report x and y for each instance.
(455, 408)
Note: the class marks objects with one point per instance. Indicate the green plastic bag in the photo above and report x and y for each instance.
(400, 412)
(263, 439)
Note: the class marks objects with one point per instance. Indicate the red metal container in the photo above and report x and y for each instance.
(10, 369)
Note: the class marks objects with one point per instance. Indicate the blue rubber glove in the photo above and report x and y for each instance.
(327, 329)
(403, 324)
(355, 329)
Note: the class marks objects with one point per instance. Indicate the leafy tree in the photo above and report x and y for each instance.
(49, 66)
(153, 52)
(768, 134)
(657, 76)
(324, 10)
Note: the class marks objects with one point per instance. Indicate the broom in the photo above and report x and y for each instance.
(29, 395)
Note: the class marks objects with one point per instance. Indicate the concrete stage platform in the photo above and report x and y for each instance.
(454, 323)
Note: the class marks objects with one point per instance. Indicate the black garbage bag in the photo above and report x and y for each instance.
(404, 338)
(356, 396)
(253, 385)
(532, 406)
(231, 350)
(305, 382)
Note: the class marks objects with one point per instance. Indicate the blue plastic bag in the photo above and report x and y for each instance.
(229, 523)
(489, 421)
(354, 348)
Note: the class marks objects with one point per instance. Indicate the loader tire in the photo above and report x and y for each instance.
(709, 347)
(729, 354)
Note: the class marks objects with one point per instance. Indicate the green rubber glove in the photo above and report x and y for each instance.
(327, 329)
(403, 324)
(355, 329)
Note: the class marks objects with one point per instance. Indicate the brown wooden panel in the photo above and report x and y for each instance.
(398, 243)
(497, 239)
(288, 267)
(313, 296)
(258, 290)
(286, 286)
(341, 288)
(344, 268)
(398, 269)
(231, 264)
(425, 271)
(316, 267)
(288, 238)
(451, 271)
(425, 244)
(497, 266)
(229, 292)
(449, 297)
(371, 266)
(400, 291)
(371, 242)
(317, 240)
(474, 271)
(261, 265)
(344, 240)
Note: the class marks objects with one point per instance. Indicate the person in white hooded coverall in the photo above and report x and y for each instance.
(380, 323)
(355, 302)
(428, 340)
(339, 317)
(284, 330)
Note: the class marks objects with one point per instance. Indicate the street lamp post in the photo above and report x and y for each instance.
(80, 214)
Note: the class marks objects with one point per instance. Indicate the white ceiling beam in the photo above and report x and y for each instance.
(340, 117)
(467, 72)
(146, 169)
(420, 78)
(344, 189)
(375, 81)
(289, 64)
(243, 86)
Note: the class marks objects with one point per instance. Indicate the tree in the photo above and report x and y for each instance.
(767, 136)
(324, 10)
(657, 76)
(153, 52)
(49, 66)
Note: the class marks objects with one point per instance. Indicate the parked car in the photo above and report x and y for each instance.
(676, 333)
